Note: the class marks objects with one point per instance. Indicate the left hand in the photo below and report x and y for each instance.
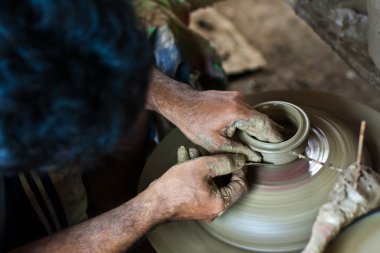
(214, 116)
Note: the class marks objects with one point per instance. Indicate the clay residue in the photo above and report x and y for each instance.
(349, 199)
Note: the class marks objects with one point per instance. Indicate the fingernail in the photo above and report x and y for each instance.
(181, 149)
(230, 131)
(194, 153)
(182, 154)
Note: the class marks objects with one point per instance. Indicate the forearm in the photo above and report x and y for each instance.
(114, 231)
(169, 97)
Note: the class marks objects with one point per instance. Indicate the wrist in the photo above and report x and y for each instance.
(180, 106)
(157, 210)
(170, 98)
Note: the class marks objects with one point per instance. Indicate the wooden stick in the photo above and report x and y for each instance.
(360, 151)
(327, 165)
(360, 145)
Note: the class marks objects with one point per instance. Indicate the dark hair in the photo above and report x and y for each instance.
(73, 77)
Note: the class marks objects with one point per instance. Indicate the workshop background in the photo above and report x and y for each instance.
(296, 58)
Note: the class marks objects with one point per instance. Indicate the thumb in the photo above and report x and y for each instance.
(225, 164)
(239, 148)
(261, 127)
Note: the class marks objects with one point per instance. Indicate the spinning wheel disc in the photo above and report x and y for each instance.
(277, 213)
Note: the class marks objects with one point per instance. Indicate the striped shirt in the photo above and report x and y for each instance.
(38, 204)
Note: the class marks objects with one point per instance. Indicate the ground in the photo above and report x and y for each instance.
(297, 58)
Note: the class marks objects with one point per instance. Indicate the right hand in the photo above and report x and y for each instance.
(188, 191)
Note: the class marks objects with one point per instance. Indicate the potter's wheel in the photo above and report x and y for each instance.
(277, 213)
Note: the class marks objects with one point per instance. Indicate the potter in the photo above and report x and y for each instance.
(76, 77)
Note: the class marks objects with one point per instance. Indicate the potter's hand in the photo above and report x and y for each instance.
(210, 118)
(232, 191)
(217, 115)
(188, 191)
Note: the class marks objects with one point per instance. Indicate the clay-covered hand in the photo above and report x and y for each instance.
(188, 191)
(214, 116)
(210, 118)
(226, 192)
(184, 154)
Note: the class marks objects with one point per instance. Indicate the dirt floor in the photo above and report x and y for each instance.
(297, 58)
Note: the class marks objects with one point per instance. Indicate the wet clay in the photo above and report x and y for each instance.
(349, 199)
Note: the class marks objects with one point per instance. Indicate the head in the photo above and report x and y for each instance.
(73, 78)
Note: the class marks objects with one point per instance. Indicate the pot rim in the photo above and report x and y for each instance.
(303, 127)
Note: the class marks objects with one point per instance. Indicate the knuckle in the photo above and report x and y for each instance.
(225, 161)
(235, 107)
(218, 208)
(235, 94)
(243, 186)
(210, 219)
(220, 144)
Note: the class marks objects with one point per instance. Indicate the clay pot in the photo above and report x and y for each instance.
(296, 124)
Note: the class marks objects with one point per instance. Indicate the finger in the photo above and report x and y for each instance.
(270, 136)
(277, 127)
(231, 129)
(234, 190)
(274, 130)
(182, 154)
(239, 148)
(261, 127)
(194, 153)
(219, 165)
(240, 173)
(247, 125)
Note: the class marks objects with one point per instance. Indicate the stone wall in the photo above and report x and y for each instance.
(344, 25)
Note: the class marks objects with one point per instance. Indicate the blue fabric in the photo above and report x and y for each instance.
(2, 212)
(169, 61)
(166, 52)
